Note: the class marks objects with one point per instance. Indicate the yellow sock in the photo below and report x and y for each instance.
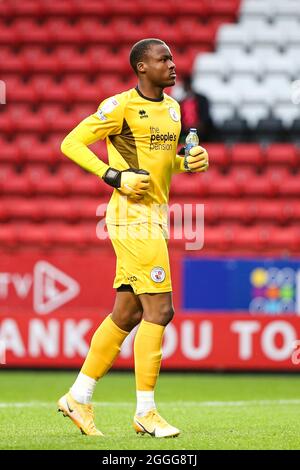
(105, 346)
(147, 355)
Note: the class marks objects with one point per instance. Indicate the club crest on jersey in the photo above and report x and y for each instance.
(158, 274)
(174, 115)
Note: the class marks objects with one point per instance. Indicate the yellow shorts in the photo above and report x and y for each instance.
(142, 257)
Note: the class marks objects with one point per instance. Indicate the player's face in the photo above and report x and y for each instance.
(159, 66)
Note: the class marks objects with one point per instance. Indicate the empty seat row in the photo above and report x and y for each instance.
(248, 38)
(123, 31)
(74, 88)
(238, 64)
(53, 118)
(253, 116)
(270, 9)
(28, 148)
(74, 209)
(225, 237)
(68, 59)
(215, 184)
(245, 90)
(108, 8)
(210, 184)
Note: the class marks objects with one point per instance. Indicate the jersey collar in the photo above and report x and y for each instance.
(146, 98)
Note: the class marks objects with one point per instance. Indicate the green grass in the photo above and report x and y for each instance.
(212, 411)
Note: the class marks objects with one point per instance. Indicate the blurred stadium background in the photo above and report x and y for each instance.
(238, 299)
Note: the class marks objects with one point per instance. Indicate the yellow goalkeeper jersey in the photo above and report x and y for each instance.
(140, 133)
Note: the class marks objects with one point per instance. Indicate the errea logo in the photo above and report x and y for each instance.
(143, 114)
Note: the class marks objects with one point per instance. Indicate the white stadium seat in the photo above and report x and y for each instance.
(207, 85)
(279, 89)
(256, 62)
(287, 112)
(232, 35)
(287, 9)
(211, 64)
(253, 112)
(270, 36)
(280, 65)
(258, 94)
(255, 9)
(220, 112)
(243, 82)
(246, 64)
(293, 38)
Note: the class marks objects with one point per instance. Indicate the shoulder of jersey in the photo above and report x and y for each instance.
(117, 100)
(171, 101)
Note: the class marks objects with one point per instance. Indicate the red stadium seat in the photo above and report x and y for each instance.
(286, 238)
(193, 32)
(61, 31)
(191, 7)
(8, 34)
(36, 60)
(128, 30)
(103, 60)
(43, 182)
(218, 154)
(158, 27)
(8, 236)
(71, 60)
(46, 89)
(187, 185)
(27, 30)
(242, 175)
(17, 90)
(32, 234)
(15, 184)
(94, 31)
(9, 152)
(249, 154)
(227, 8)
(291, 186)
(11, 62)
(258, 185)
(283, 154)
(24, 119)
(33, 150)
(219, 184)
(22, 208)
(77, 88)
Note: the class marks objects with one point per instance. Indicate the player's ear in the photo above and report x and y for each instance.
(141, 66)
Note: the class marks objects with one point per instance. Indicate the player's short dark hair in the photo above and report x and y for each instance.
(139, 49)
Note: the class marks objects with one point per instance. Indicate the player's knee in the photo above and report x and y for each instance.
(167, 314)
(134, 319)
(161, 316)
(126, 319)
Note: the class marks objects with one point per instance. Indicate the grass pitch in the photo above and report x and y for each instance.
(213, 412)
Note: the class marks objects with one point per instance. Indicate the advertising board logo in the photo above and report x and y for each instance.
(274, 290)
(52, 288)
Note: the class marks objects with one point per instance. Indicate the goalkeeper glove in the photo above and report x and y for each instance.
(197, 160)
(132, 182)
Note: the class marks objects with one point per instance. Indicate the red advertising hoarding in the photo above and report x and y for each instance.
(51, 303)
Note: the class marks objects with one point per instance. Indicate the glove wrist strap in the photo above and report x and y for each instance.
(113, 177)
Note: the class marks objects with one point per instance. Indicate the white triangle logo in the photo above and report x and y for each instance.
(52, 288)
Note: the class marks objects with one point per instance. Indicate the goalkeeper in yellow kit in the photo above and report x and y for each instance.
(141, 127)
